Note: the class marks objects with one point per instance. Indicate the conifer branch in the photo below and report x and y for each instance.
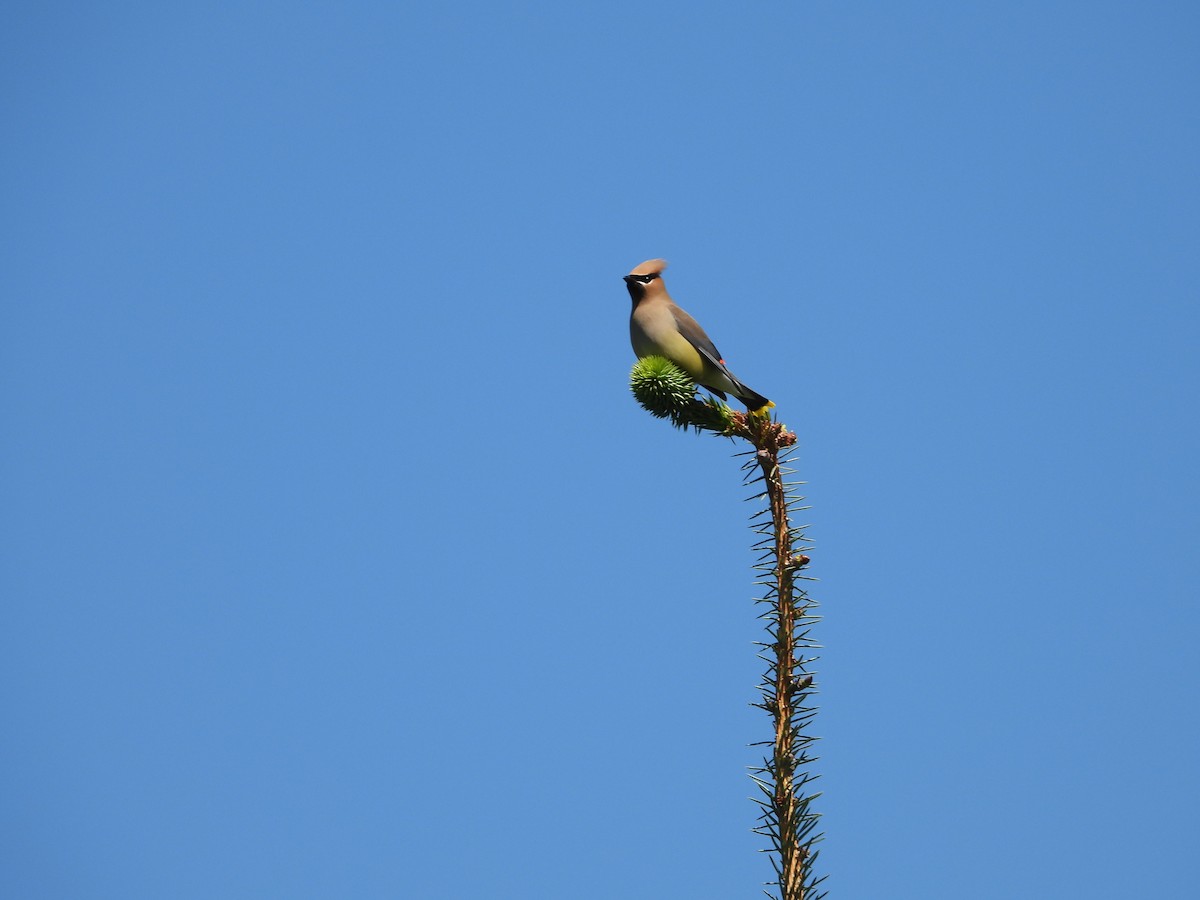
(786, 817)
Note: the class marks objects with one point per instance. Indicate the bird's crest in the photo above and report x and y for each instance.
(650, 267)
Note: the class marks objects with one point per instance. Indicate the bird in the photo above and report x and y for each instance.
(657, 327)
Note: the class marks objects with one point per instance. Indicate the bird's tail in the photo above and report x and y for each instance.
(755, 402)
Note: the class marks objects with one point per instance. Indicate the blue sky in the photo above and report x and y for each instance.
(339, 561)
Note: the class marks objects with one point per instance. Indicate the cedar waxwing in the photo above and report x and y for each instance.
(658, 327)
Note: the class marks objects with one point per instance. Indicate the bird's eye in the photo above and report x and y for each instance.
(646, 279)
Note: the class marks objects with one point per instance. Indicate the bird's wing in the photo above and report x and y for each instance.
(695, 335)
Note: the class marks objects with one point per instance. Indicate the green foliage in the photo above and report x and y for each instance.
(666, 391)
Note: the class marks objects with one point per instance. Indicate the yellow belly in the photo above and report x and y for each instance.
(668, 342)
